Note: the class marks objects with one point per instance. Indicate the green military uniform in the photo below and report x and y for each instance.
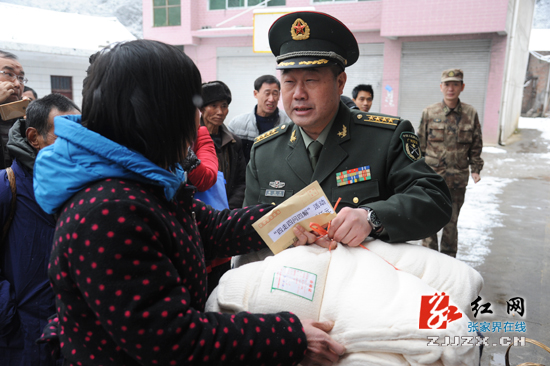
(368, 160)
(451, 142)
(409, 198)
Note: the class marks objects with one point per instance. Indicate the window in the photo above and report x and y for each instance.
(166, 13)
(229, 4)
(62, 85)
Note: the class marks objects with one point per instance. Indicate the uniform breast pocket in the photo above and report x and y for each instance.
(465, 135)
(436, 132)
(276, 196)
(357, 194)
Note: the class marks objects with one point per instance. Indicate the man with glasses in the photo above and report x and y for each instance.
(12, 83)
(12, 78)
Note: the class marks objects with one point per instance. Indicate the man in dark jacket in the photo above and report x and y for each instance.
(216, 98)
(26, 299)
(12, 81)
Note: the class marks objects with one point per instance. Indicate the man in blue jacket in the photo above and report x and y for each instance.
(26, 299)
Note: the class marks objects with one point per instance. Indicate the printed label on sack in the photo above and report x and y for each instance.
(318, 207)
(295, 281)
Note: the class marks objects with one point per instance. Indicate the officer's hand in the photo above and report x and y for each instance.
(308, 237)
(476, 177)
(321, 348)
(351, 226)
(6, 90)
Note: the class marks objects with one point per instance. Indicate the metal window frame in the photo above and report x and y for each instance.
(321, 2)
(69, 93)
(240, 7)
(167, 8)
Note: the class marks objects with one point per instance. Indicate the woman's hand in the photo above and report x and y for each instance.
(308, 237)
(321, 348)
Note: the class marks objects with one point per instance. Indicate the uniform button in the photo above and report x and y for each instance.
(355, 200)
(273, 203)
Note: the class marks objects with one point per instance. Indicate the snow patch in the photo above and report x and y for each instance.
(478, 217)
(541, 124)
(493, 150)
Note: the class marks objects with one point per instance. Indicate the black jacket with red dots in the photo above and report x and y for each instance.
(128, 270)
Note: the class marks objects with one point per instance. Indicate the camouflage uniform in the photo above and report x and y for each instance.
(450, 141)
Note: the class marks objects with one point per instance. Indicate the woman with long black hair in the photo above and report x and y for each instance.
(128, 261)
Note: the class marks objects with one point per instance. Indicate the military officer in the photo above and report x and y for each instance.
(371, 161)
(450, 139)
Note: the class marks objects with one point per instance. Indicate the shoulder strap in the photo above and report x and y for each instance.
(13, 187)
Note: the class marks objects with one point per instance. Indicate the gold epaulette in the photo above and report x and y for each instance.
(270, 133)
(378, 120)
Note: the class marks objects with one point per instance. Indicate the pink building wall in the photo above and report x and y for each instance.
(392, 73)
(402, 18)
(391, 22)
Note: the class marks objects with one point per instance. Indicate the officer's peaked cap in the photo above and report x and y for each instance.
(312, 39)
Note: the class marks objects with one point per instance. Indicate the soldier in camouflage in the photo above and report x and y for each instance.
(450, 140)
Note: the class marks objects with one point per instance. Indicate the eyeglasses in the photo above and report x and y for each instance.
(11, 77)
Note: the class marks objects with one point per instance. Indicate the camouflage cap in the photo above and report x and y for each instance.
(312, 39)
(452, 75)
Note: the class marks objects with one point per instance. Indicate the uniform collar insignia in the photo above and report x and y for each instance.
(458, 107)
(293, 137)
(446, 109)
(344, 132)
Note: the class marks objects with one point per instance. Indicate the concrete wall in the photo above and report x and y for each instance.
(515, 66)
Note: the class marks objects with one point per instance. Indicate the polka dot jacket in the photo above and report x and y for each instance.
(128, 271)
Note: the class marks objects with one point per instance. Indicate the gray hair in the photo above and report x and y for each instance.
(6, 54)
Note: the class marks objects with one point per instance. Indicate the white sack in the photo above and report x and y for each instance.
(375, 308)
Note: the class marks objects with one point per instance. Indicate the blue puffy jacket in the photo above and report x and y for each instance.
(80, 156)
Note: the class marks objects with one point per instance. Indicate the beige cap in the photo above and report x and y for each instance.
(452, 75)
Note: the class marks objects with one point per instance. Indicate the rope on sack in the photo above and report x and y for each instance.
(528, 340)
(322, 232)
